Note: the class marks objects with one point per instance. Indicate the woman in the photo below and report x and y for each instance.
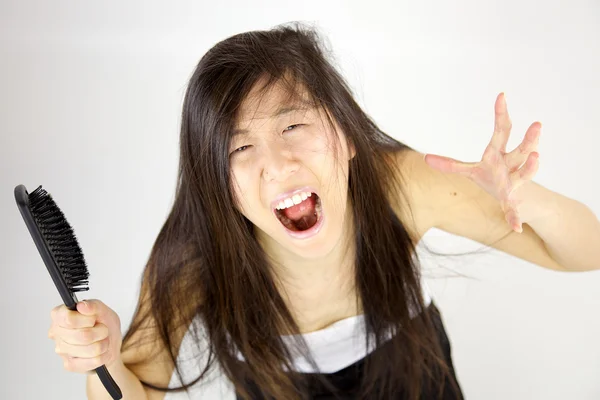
(287, 268)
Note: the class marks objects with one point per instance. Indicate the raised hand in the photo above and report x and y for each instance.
(499, 173)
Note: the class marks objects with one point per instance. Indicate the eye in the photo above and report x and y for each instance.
(240, 149)
(291, 126)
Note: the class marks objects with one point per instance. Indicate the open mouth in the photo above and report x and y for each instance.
(302, 216)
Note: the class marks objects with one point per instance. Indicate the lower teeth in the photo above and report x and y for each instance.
(289, 224)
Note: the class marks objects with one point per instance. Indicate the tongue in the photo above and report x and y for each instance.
(304, 209)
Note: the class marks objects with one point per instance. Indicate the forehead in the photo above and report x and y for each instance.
(271, 105)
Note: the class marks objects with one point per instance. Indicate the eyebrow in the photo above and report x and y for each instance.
(280, 111)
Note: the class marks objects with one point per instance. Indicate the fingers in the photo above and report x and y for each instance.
(83, 336)
(63, 317)
(512, 217)
(83, 365)
(84, 349)
(91, 350)
(447, 164)
(527, 171)
(92, 307)
(502, 124)
(516, 158)
(519, 177)
(86, 338)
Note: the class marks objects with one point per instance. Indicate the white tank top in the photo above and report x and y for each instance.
(333, 348)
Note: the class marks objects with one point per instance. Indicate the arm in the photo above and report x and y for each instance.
(558, 233)
(497, 199)
(569, 230)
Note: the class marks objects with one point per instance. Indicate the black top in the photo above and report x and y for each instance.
(347, 380)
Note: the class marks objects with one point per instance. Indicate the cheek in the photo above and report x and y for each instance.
(333, 154)
(239, 187)
(244, 190)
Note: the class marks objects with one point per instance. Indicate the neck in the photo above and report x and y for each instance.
(318, 291)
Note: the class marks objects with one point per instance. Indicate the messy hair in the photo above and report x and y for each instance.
(206, 262)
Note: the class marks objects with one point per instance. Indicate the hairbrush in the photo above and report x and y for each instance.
(58, 246)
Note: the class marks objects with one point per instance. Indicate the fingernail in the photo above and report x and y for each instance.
(84, 304)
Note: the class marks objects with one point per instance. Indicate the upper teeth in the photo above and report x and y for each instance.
(295, 199)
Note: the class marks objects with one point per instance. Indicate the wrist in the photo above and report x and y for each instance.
(115, 364)
(535, 203)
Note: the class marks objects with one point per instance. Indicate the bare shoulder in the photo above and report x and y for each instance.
(410, 197)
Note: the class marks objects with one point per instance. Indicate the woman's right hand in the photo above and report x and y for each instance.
(87, 338)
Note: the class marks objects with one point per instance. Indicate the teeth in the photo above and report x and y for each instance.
(295, 199)
(290, 225)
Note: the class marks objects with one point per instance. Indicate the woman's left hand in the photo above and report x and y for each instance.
(499, 173)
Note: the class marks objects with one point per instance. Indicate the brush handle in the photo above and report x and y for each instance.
(111, 386)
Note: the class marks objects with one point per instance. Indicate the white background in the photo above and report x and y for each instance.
(90, 101)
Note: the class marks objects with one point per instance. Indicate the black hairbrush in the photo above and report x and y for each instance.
(58, 246)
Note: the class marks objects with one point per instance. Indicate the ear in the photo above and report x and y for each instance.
(351, 149)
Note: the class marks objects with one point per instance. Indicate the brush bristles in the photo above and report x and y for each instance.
(61, 240)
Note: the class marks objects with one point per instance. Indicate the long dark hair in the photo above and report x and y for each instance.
(206, 262)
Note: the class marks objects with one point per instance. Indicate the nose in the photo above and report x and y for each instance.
(279, 162)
